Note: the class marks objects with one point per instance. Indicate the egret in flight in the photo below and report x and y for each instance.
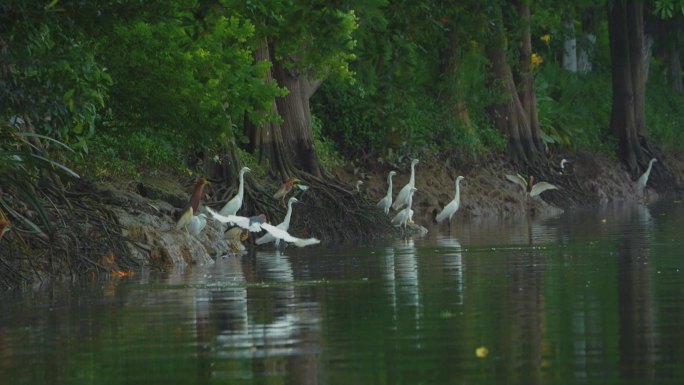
(284, 225)
(402, 198)
(531, 188)
(386, 202)
(233, 205)
(450, 209)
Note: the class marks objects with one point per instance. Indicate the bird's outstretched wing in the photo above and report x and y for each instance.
(285, 236)
(517, 179)
(242, 222)
(540, 187)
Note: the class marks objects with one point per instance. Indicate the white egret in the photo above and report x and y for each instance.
(405, 215)
(233, 205)
(643, 179)
(192, 207)
(197, 224)
(284, 225)
(401, 200)
(562, 164)
(285, 236)
(386, 202)
(533, 189)
(253, 224)
(358, 185)
(450, 209)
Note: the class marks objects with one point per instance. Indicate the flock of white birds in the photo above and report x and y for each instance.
(194, 223)
(404, 200)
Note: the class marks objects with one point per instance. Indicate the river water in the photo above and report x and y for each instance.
(593, 296)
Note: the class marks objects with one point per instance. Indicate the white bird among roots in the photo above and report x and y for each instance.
(450, 209)
(386, 202)
(402, 197)
(404, 216)
(233, 205)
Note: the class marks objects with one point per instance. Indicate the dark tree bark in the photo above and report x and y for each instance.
(296, 113)
(511, 116)
(266, 140)
(674, 68)
(528, 97)
(627, 123)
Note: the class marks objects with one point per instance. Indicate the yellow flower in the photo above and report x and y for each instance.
(545, 38)
(481, 352)
(536, 60)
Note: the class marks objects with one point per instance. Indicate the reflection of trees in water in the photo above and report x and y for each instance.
(636, 305)
(267, 329)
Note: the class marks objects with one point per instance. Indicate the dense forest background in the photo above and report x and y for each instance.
(109, 88)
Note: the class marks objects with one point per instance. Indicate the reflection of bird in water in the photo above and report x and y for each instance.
(233, 205)
(404, 216)
(192, 207)
(284, 225)
(386, 202)
(531, 188)
(643, 179)
(402, 197)
(450, 209)
(285, 188)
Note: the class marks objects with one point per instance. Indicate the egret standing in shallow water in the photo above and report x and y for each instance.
(192, 207)
(284, 225)
(386, 202)
(404, 216)
(531, 188)
(233, 205)
(450, 209)
(404, 193)
(643, 179)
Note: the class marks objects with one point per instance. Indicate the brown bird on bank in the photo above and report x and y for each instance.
(192, 208)
(285, 188)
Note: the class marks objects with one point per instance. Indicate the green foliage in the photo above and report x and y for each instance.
(574, 110)
(664, 118)
(22, 164)
(54, 81)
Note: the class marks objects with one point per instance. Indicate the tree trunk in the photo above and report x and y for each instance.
(635, 29)
(507, 116)
(528, 98)
(266, 140)
(295, 111)
(450, 58)
(623, 120)
(569, 46)
(648, 52)
(585, 53)
(674, 68)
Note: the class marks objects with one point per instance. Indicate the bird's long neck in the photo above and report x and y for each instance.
(650, 165)
(412, 181)
(458, 190)
(288, 215)
(241, 187)
(409, 201)
(196, 197)
(389, 181)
